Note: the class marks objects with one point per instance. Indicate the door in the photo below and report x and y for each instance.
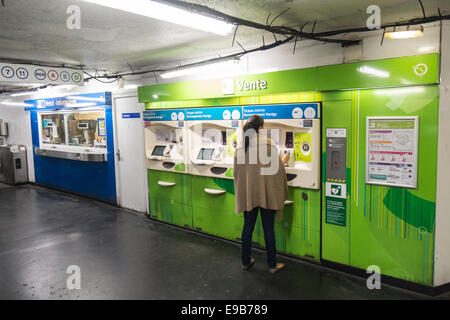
(130, 155)
(337, 114)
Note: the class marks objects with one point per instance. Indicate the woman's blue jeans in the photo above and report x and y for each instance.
(267, 218)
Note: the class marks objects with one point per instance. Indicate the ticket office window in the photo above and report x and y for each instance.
(87, 129)
(74, 129)
(53, 129)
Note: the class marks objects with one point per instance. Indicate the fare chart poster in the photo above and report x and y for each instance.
(392, 149)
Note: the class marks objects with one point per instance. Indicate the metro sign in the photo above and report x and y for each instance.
(20, 73)
(52, 75)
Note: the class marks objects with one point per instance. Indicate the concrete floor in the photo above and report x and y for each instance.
(122, 255)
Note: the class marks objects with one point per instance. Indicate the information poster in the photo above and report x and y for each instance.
(101, 127)
(302, 144)
(336, 203)
(392, 148)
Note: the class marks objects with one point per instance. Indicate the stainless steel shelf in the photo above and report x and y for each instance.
(77, 156)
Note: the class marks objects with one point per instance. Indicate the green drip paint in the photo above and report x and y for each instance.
(421, 213)
(225, 184)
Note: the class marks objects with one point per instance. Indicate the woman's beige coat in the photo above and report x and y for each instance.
(259, 183)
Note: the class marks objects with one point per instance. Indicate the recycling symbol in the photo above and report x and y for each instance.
(421, 69)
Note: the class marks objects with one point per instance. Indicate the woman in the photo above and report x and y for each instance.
(260, 185)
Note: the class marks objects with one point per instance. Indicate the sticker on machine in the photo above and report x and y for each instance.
(336, 133)
(336, 190)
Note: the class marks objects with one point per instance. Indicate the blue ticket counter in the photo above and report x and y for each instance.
(73, 144)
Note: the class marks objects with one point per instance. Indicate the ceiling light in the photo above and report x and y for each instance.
(408, 33)
(216, 69)
(79, 98)
(26, 93)
(374, 72)
(55, 88)
(80, 105)
(18, 104)
(168, 13)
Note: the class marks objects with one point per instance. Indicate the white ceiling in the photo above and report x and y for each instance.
(110, 40)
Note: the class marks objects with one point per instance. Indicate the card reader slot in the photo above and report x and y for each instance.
(291, 176)
(168, 165)
(218, 170)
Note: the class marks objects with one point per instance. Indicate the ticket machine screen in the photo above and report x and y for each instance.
(205, 154)
(158, 151)
(289, 140)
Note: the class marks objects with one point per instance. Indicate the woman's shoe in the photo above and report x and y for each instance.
(277, 268)
(252, 262)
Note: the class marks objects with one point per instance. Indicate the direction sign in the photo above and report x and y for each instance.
(36, 74)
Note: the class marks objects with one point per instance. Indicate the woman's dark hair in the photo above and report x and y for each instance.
(255, 122)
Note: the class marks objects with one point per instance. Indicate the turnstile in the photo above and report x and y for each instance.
(13, 164)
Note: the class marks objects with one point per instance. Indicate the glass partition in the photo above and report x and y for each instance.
(87, 129)
(53, 129)
(78, 129)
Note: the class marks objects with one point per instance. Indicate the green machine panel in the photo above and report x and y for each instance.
(213, 208)
(298, 232)
(170, 197)
(390, 227)
(394, 227)
(336, 115)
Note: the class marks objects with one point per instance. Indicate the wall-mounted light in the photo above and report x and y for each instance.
(408, 32)
(212, 70)
(170, 14)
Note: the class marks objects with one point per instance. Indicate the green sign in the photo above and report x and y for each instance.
(395, 72)
(336, 209)
(302, 142)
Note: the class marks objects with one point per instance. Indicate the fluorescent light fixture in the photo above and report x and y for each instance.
(80, 105)
(408, 33)
(26, 93)
(374, 72)
(18, 104)
(155, 96)
(168, 13)
(213, 69)
(102, 99)
(56, 88)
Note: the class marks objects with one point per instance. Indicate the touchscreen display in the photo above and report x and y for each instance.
(205, 154)
(158, 151)
(289, 140)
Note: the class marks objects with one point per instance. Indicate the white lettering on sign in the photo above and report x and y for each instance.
(254, 85)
